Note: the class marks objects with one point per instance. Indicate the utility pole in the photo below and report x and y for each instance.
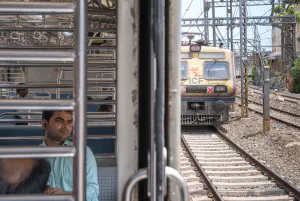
(206, 6)
(243, 58)
(227, 24)
(231, 27)
(213, 23)
(266, 101)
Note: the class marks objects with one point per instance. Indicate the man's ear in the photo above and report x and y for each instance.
(44, 124)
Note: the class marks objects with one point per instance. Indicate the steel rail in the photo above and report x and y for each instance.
(291, 101)
(292, 97)
(216, 195)
(273, 108)
(290, 188)
(275, 118)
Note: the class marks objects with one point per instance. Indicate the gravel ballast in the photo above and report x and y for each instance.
(279, 148)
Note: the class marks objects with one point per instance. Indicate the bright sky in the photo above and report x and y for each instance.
(193, 8)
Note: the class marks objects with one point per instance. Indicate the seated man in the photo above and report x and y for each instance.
(22, 94)
(57, 126)
(105, 108)
(23, 176)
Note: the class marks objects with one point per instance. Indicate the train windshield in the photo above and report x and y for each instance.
(216, 70)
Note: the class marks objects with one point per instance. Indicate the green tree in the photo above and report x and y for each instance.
(296, 75)
(287, 9)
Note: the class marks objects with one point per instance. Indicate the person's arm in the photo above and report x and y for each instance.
(56, 191)
(92, 186)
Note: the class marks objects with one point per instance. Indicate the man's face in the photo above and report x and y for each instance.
(59, 126)
(23, 92)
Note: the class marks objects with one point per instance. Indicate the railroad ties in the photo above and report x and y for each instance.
(234, 178)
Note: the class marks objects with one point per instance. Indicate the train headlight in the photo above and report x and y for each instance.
(195, 48)
(220, 89)
(195, 105)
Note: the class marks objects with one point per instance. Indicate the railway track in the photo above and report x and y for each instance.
(276, 114)
(286, 97)
(217, 169)
(274, 108)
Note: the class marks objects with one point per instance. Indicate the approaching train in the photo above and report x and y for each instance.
(208, 84)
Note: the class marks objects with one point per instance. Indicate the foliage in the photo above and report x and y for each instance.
(296, 89)
(296, 70)
(296, 75)
(284, 10)
(291, 10)
(277, 9)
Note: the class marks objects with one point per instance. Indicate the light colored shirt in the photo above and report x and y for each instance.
(61, 175)
(27, 97)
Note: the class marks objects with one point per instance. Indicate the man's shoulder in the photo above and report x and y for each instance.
(89, 152)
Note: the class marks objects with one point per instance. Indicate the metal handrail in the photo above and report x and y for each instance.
(36, 152)
(45, 56)
(40, 113)
(19, 113)
(36, 8)
(36, 198)
(95, 137)
(141, 174)
(15, 104)
(90, 120)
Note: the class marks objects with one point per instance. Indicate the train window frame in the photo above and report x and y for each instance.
(186, 70)
(214, 78)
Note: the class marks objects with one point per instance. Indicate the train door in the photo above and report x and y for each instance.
(83, 55)
(149, 127)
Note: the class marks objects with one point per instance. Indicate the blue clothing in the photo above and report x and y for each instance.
(61, 175)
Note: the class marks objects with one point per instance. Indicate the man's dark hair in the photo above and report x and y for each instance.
(35, 183)
(47, 114)
(104, 108)
(18, 90)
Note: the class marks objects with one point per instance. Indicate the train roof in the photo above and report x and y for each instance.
(206, 49)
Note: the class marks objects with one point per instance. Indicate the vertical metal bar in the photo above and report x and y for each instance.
(80, 101)
(159, 53)
(127, 91)
(146, 101)
(227, 23)
(266, 101)
(173, 94)
(231, 27)
(243, 58)
(206, 29)
(245, 63)
(213, 22)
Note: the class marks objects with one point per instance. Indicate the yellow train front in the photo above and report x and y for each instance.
(208, 85)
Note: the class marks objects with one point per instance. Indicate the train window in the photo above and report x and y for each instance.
(183, 69)
(216, 70)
